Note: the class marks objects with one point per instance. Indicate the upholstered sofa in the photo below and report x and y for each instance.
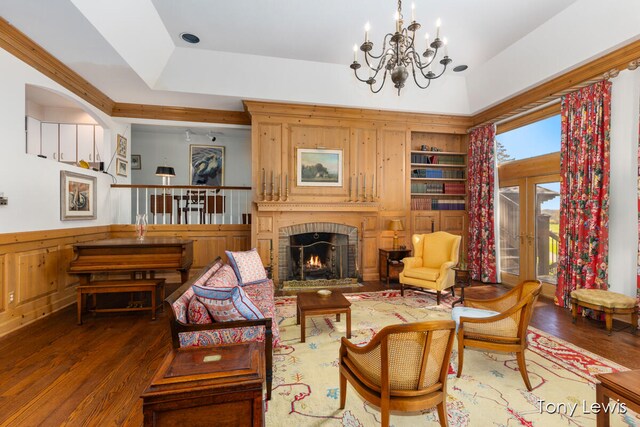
(188, 328)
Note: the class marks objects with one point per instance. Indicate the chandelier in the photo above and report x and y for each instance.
(399, 56)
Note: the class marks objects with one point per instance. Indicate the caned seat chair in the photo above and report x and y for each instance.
(498, 324)
(403, 368)
(434, 255)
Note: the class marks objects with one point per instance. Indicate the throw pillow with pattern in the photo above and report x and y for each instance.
(227, 304)
(247, 266)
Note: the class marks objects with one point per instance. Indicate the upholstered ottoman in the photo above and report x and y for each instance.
(609, 303)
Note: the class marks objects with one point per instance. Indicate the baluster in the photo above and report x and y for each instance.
(137, 201)
(146, 200)
(177, 213)
(231, 206)
(224, 205)
(155, 204)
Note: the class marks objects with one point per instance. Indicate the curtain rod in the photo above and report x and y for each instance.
(524, 113)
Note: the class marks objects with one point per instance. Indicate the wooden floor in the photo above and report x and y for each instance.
(54, 372)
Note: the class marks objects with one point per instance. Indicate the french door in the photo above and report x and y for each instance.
(529, 222)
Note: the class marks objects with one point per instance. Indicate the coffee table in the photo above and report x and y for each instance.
(313, 304)
(622, 386)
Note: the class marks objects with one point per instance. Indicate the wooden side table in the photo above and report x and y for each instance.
(462, 280)
(219, 385)
(312, 304)
(391, 262)
(622, 386)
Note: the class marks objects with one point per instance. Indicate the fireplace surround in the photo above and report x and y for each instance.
(318, 251)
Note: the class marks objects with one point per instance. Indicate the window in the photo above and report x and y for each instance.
(536, 139)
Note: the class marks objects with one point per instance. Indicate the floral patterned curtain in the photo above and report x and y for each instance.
(584, 191)
(481, 180)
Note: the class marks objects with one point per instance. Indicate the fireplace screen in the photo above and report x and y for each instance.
(321, 256)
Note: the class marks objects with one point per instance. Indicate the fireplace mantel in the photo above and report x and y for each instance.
(318, 207)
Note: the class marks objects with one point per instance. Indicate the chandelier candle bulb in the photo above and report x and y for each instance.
(355, 53)
(438, 23)
(367, 27)
(446, 48)
(413, 12)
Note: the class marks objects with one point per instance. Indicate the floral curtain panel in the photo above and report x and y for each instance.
(481, 180)
(584, 191)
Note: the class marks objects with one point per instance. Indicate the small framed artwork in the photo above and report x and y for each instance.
(77, 196)
(136, 162)
(319, 167)
(121, 148)
(206, 165)
(122, 167)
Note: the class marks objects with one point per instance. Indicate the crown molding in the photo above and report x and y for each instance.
(187, 114)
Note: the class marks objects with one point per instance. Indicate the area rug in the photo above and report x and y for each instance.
(489, 393)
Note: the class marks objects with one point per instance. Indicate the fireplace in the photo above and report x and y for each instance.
(318, 254)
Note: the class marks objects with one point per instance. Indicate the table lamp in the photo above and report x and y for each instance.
(395, 225)
(166, 172)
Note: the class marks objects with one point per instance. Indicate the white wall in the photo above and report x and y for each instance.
(623, 213)
(32, 184)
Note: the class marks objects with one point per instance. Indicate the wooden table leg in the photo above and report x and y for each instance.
(79, 307)
(297, 315)
(349, 323)
(302, 327)
(608, 319)
(602, 418)
(574, 311)
(162, 297)
(153, 303)
(337, 317)
(634, 321)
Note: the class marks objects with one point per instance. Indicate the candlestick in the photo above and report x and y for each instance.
(373, 185)
(286, 187)
(264, 184)
(271, 185)
(357, 180)
(349, 188)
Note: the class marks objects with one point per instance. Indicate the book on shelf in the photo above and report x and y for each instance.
(435, 204)
(454, 188)
(440, 159)
(437, 173)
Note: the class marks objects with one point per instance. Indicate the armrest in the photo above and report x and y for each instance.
(412, 262)
(446, 266)
(446, 273)
(495, 318)
(177, 327)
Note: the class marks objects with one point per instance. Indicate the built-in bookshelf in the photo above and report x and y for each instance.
(438, 179)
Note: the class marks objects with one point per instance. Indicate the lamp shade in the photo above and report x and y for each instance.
(395, 225)
(165, 171)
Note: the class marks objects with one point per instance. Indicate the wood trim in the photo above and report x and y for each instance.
(546, 164)
(567, 82)
(22, 47)
(178, 187)
(256, 108)
(187, 114)
(527, 119)
(33, 236)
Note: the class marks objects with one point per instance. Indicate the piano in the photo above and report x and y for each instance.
(131, 255)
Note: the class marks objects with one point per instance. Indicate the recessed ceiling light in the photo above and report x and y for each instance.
(460, 68)
(190, 38)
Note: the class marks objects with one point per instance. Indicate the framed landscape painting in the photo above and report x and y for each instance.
(122, 167)
(77, 196)
(121, 147)
(206, 166)
(319, 167)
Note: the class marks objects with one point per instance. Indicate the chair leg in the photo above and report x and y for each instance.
(343, 390)
(438, 298)
(401, 289)
(522, 365)
(442, 414)
(384, 413)
(453, 291)
(460, 354)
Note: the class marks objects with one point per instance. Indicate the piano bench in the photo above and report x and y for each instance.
(120, 286)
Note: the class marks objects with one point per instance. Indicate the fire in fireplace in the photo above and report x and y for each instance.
(315, 256)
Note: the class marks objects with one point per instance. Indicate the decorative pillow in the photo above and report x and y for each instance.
(248, 267)
(197, 312)
(227, 304)
(225, 277)
(209, 273)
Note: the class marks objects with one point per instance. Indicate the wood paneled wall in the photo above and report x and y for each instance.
(33, 265)
(375, 145)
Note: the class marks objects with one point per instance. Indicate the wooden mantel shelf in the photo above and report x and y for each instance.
(318, 207)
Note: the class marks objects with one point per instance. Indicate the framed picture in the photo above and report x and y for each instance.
(206, 165)
(319, 167)
(122, 167)
(77, 196)
(121, 148)
(136, 162)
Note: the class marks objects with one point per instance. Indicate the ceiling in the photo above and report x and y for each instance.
(284, 50)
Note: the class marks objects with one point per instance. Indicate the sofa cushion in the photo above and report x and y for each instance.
(225, 277)
(476, 313)
(248, 267)
(262, 295)
(227, 304)
(197, 312)
(423, 273)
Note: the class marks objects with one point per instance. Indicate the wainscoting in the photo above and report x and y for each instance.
(33, 265)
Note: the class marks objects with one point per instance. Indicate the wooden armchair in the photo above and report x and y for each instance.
(503, 327)
(403, 368)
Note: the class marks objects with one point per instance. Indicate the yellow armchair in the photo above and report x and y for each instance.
(435, 255)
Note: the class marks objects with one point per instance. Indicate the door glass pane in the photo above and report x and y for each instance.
(509, 209)
(547, 229)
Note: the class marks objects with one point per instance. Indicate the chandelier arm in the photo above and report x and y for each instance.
(441, 73)
(384, 79)
(358, 77)
(384, 48)
(416, 80)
